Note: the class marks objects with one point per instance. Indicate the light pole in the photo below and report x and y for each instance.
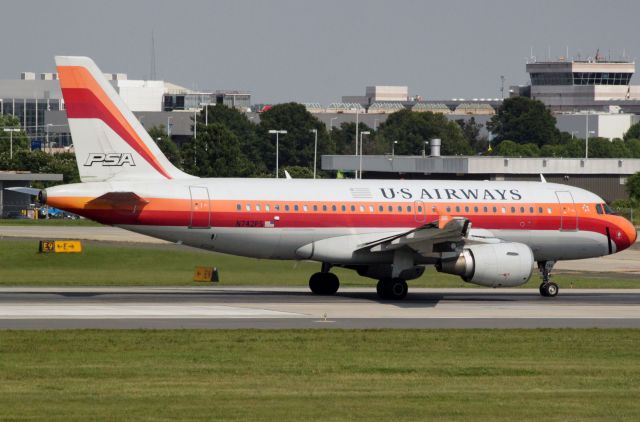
(195, 124)
(11, 130)
(375, 124)
(393, 148)
(169, 126)
(331, 123)
(206, 112)
(315, 151)
(424, 149)
(364, 132)
(586, 145)
(277, 132)
(573, 133)
(586, 136)
(47, 138)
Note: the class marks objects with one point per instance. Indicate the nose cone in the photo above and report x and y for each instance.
(624, 234)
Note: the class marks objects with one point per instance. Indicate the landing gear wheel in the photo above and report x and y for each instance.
(549, 289)
(392, 289)
(324, 283)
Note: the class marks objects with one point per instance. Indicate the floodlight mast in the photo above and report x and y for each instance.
(277, 133)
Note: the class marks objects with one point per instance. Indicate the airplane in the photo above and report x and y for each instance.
(490, 233)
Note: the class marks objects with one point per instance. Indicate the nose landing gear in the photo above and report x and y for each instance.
(547, 288)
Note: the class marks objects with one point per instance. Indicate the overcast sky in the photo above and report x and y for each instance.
(317, 51)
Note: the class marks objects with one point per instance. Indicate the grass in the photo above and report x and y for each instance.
(48, 222)
(551, 375)
(121, 264)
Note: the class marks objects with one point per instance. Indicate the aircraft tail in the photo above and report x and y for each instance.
(110, 143)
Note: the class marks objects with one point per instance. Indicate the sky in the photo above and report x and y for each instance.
(318, 51)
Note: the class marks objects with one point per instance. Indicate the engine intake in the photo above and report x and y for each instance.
(494, 265)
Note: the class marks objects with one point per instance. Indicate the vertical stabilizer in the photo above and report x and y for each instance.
(110, 143)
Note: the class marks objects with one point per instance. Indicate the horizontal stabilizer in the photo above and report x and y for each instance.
(24, 190)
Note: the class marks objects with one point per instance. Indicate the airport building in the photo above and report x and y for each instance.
(36, 100)
(605, 177)
(12, 203)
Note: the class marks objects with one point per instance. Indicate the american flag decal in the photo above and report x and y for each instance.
(269, 224)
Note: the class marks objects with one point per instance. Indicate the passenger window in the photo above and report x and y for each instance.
(305, 208)
(540, 210)
(324, 208)
(370, 208)
(295, 207)
(257, 207)
(334, 208)
(549, 210)
(448, 208)
(466, 209)
(513, 210)
(434, 208)
(277, 207)
(495, 209)
(247, 207)
(475, 209)
(485, 209)
(399, 208)
(286, 207)
(238, 207)
(267, 207)
(522, 210)
(530, 210)
(457, 208)
(380, 208)
(361, 208)
(390, 208)
(408, 208)
(504, 210)
(353, 208)
(315, 208)
(419, 209)
(344, 208)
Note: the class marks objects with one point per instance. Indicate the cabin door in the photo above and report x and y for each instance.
(200, 208)
(568, 212)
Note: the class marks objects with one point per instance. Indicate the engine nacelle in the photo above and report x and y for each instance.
(494, 265)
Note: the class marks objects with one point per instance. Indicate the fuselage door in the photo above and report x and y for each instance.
(419, 212)
(200, 208)
(568, 212)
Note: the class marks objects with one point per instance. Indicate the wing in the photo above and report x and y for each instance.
(437, 236)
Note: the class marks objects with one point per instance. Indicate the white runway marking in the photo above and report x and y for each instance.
(132, 310)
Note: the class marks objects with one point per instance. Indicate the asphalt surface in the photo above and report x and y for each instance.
(274, 308)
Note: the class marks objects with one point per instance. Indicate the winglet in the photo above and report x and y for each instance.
(542, 179)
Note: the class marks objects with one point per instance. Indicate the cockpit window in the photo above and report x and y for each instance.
(608, 209)
(599, 209)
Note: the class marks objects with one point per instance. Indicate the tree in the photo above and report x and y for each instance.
(523, 121)
(19, 139)
(471, 132)
(512, 149)
(344, 138)
(633, 132)
(166, 145)
(216, 153)
(633, 187)
(411, 130)
(296, 148)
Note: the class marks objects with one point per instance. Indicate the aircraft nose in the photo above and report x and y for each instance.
(625, 234)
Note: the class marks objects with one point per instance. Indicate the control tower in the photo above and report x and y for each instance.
(584, 85)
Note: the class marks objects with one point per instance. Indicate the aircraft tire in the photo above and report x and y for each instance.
(392, 289)
(325, 284)
(549, 289)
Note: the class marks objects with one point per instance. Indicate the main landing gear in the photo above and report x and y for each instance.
(392, 289)
(547, 288)
(324, 283)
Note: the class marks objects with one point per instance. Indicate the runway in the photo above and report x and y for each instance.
(275, 308)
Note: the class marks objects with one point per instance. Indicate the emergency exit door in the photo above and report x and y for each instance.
(200, 208)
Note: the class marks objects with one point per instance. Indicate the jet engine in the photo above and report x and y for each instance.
(494, 265)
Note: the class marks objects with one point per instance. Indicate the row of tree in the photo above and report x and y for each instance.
(231, 145)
